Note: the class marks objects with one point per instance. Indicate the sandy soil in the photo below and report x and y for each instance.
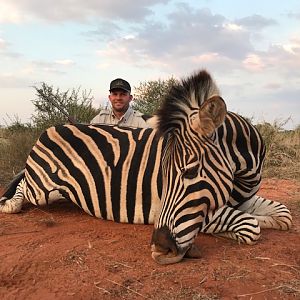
(59, 252)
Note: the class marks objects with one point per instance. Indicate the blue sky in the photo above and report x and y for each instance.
(251, 48)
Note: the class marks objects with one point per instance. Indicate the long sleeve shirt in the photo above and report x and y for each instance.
(131, 118)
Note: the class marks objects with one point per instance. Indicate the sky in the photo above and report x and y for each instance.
(251, 49)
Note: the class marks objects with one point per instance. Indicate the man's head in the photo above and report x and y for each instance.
(120, 84)
(120, 96)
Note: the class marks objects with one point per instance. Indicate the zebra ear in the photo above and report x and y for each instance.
(211, 115)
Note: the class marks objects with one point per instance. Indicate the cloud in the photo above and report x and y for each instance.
(253, 62)
(272, 86)
(284, 102)
(9, 12)
(65, 62)
(190, 39)
(185, 37)
(8, 81)
(2, 44)
(295, 15)
(105, 30)
(256, 22)
(5, 50)
(76, 10)
(28, 72)
(57, 67)
(22, 73)
(284, 59)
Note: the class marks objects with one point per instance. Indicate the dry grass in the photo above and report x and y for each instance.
(283, 151)
(15, 145)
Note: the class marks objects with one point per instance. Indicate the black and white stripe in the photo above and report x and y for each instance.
(211, 172)
(110, 172)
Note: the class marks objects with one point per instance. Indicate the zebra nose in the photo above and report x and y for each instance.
(163, 242)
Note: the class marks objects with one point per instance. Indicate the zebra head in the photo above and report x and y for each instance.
(196, 176)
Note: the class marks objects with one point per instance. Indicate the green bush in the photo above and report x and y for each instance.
(149, 94)
(53, 107)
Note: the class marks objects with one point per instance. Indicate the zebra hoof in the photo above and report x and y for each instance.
(193, 252)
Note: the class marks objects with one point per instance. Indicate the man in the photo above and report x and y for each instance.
(121, 113)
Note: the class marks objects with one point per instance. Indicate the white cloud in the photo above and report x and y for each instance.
(253, 62)
(75, 10)
(5, 50)
(295, 15)
(65, 62)
(256, 22)
(233, 27)
(283, 59)
(9, 12)
(2, 43)
(188, 39)
(42, 66)
(272, 86)
(10, 80)
(206, 58)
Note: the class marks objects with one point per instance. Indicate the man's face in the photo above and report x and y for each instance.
(120, 100)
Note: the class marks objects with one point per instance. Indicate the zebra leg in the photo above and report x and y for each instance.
(270, 214)
(234, 224)
(14, 204)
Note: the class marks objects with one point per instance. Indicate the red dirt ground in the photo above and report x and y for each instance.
(59, 252)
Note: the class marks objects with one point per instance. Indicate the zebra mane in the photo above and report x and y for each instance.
(183, 99)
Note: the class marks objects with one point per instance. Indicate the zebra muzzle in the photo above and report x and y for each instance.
(164, 248)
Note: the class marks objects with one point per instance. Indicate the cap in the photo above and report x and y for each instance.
(120, 83)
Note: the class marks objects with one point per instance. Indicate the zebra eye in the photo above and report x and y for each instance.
(191, 172)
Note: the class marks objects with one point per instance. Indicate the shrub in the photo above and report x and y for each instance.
(55, 107)
(16, 142)
(282, 150)
(52, 107)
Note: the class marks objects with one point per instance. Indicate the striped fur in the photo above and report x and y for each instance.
(210, 174)
(110, 172)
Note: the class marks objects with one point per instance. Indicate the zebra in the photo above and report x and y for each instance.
(211, 172)
(118, 173)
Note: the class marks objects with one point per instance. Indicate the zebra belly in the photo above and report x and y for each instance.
(134, 206)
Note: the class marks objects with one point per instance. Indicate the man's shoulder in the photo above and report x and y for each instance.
(141, 115)
(101, 117)
(138, 114)
(104, 112)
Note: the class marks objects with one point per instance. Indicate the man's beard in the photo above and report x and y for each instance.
(121, 109)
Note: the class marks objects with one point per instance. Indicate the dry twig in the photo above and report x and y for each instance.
(127, 288)
(262, 258)
(261, 292)
(100, 288)
(203, 280)
(119, 263)
(295, 268)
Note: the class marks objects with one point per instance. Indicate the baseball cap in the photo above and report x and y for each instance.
(120, 83)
